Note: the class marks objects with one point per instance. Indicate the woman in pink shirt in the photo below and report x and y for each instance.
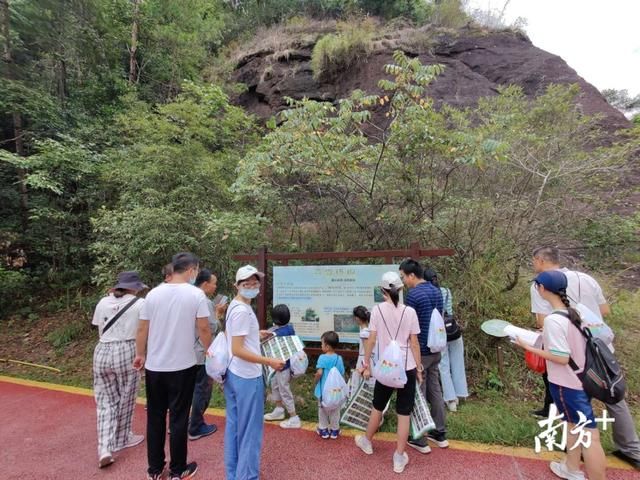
(563, 342)
(390, 320)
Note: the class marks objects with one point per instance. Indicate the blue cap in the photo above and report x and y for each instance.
(552, 280)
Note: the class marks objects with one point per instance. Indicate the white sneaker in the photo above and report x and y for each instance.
(291, 422)
(105, 460)
(452, 406)
(400, 461)
(561, 470)
(364, 444)
(277, 414)
(132, 441)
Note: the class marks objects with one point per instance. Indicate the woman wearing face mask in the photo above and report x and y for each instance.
(244, 387)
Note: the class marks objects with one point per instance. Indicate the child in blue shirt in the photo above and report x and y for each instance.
(328, 421)
(280, 384)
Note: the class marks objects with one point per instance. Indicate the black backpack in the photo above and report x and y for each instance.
(602, 377)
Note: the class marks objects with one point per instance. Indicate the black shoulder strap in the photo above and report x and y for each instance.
(118, 315)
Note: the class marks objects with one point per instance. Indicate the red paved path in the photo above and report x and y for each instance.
(46, 434)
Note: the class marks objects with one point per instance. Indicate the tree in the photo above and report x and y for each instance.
(621, 100)
(489, 182)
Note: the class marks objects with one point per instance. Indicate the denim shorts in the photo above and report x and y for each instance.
(570, 401)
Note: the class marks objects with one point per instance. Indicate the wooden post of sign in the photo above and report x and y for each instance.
(500, 358)
(262, 298)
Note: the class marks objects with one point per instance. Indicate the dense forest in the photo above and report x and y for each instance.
(121, 143)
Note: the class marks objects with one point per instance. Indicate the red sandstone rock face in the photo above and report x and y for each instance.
(476, 65)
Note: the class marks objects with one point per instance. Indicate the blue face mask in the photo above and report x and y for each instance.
(192, 281)
(249, 292)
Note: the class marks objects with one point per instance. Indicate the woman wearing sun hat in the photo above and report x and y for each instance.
(115, 382)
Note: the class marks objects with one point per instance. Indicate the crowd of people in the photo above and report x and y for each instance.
(167, 333)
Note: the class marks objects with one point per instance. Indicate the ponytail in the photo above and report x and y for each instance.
(574, 316)
(362, 313)
(393, 293)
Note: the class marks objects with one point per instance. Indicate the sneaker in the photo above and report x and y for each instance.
(132, 441)
(105, 460)
(364, 444)
(561, 470)
(438, 438)
(323, 432)
(291, 422)
(277, 414)
(204, 431)
(400, 461)
(634, 462)
(452, 406)
(420, 445)
(334, 434)
(542, 413)
(188, 472)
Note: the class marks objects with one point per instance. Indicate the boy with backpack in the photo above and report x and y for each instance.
(329, 413)
(280, 385)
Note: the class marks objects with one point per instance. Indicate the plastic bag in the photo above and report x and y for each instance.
(437, 338)
(217, 358)
(535, 362)
(389, 370)
(334, 391)
(299, 363)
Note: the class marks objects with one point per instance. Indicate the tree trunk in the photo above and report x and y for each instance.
(17, 116)
(133, 64)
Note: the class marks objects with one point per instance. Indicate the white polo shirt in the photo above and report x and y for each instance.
(172, 309)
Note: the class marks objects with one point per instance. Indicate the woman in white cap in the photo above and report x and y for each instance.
(244, 387)
(390, 320)
(115, 381)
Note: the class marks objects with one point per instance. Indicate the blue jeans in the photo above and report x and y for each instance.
(201, 399)
(244, 399)
(452, 372)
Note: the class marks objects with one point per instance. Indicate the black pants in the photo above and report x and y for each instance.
(168, 391)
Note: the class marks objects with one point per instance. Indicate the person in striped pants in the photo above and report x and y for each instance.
(115, 381)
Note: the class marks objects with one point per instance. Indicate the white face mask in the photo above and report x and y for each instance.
(249, 293)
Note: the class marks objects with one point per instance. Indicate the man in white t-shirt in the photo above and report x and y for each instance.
(174, 313)
(244, 387)
(584, 289)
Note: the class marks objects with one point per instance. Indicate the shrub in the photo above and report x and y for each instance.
(450, 14)
(64, 335)
(334, 53)
(12, 286)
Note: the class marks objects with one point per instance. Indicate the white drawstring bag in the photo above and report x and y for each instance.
(437, 338)
(334, 391)
(217, 358)
(390, 370)
(299, 363)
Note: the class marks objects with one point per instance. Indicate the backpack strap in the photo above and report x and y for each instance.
(586, 334)
(118, 315)
(226, 323)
